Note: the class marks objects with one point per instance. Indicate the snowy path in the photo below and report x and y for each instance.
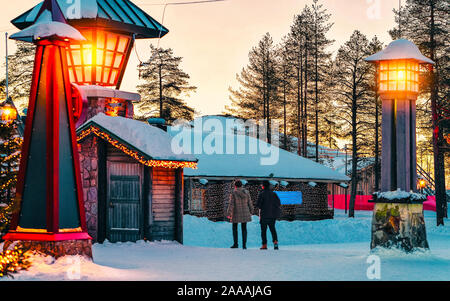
(298, 259)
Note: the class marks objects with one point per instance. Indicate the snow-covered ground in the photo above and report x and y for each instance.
(326, 250)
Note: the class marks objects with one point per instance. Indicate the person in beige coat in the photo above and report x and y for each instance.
(240, 211)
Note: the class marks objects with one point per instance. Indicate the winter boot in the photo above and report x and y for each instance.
(264, 247)
(275, 245)
(234, 247)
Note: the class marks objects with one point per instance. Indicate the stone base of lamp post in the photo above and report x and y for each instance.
(398, 221)
(56, 249)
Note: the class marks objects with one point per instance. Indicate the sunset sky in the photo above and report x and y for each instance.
(214, 39)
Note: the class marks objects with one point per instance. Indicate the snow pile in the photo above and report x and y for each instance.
(204, 233)
(319, 255)
(400, 195)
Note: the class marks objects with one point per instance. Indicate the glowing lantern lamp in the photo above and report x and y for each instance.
(8, 113)
(398, 212)
(398, 71)
(110, 28)
(51, 217)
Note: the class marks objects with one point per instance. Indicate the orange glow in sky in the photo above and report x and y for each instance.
(215, 39)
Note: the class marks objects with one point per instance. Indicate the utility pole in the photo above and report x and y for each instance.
(7, 79)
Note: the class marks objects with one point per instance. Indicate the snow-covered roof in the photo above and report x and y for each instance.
(46, 30)
(400, 49)
(249, 164)
(148, 140)
(49, 23)
(116, 14)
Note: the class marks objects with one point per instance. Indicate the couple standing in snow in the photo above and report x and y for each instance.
(240, 212)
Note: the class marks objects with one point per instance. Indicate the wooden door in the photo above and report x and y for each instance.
(124, 202)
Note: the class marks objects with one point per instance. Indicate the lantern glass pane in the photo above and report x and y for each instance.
(113, 76)
(109, 58)
(71, 76)
(99, 73)
(103, 53)
(118, 60)
(76, 54)
(87, 74)
(106, 72)
(392, 85)
(87, 56)
(100, 57)
(111, 42)
(401, 75)
(123, 42)
(79, 74)
(101, 40)
(392, 75)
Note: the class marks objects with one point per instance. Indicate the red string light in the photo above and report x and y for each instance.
(134, 154)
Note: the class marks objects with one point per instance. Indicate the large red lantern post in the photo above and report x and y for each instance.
(51, 217)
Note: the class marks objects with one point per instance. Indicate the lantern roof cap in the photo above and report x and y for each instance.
(118, 15)
(50, 23)
(401, 49)
(50, 29)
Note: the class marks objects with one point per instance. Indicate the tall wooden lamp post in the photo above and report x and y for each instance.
(398, 216)
(51, 217)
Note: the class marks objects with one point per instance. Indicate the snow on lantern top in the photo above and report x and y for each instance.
(110, 27)
(398, 68)
(400, 50)
(50, 23)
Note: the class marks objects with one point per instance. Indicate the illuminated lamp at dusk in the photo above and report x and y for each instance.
(101, 61)
(110, 28)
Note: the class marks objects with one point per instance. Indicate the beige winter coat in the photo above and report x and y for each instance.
(241, 206)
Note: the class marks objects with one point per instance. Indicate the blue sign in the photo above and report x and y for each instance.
(290, 197)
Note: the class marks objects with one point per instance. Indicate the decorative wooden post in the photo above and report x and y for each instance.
(398, 215)
(51, 217)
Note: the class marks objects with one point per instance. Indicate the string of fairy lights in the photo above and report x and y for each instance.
(12, 261)
(132, 153)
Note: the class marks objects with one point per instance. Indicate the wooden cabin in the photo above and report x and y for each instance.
(228, 154)
(132, 181)
(210, 198)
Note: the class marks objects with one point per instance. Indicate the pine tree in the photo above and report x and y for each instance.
(352, 75)
(285, 77)
(10, 147)
(258, 95)
(375, 109)
(320, 42)
(426, 23)
(300, 44)
(20, 72)
(165, 85)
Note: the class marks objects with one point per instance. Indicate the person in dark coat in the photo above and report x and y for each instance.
(270, 209)
(240, 211)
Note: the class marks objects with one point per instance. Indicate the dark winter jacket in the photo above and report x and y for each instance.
(241, 206)
(270, 204)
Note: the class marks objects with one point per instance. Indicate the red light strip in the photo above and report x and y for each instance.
(134, 154)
